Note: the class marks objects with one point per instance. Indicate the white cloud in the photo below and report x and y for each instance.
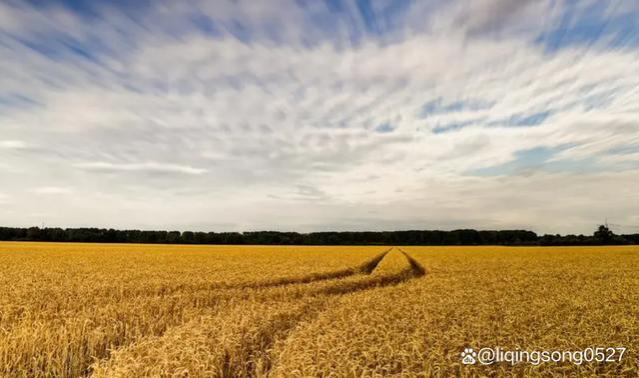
(185, 118)
(13, 144)
(53, 190)
(140, 167)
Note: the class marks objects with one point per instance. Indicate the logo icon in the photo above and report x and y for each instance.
(469, 356)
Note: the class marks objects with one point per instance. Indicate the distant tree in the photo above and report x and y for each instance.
(173, 237)
(632, 238)
(188, 237)
(604, 234)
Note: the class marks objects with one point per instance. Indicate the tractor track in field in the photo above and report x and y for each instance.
(413, 271)
(326, 288)
(367, 267)
(415, 265)
(272, 292)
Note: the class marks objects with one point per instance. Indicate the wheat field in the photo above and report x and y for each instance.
(119, 310)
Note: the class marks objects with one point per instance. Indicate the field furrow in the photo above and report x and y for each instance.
(58, 335)
(249, 329)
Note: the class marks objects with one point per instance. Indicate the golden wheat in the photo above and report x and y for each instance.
(63, 307)
(69, 310)
(527, 298)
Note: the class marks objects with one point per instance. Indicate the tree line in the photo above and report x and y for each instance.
(417, 237)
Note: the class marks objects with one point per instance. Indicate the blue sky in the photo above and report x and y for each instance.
(310, 115)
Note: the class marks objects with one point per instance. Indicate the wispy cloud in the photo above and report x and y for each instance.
(51, 190)
(140, 167)
(319, 108)
(13, 144)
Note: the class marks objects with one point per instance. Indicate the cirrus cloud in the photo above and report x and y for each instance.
(336, 114)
